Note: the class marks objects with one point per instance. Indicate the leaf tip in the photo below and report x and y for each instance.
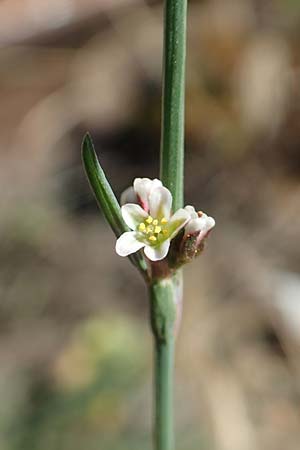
(86, 141)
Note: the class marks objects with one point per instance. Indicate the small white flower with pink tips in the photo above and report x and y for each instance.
(147, 211)
(152, 223)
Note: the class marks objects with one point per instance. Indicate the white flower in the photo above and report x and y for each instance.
(199, 223)
(153, 225)
(140, 192)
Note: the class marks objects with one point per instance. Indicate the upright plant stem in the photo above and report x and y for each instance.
(165, 294)
(163, 317)
(172, 138)
(164, 368)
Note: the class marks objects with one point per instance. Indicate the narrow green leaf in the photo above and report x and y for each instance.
(105, 197)
(101, 188)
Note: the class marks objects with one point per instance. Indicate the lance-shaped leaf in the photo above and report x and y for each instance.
(101, 188)
(104, 195)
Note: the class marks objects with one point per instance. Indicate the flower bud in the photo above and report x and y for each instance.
(190, 243)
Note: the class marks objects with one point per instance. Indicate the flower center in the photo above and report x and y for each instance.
(154, 230)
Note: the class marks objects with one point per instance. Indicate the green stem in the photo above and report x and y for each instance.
(165, 298)
(165, 294)
(164, 368)
(172, 138)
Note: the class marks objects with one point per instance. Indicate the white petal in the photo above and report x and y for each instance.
(128, 243)
(202, 224)
(194, 226)
(133, 215)
(191, 210)
(142, 184)
(203, 233)
(178, 221)
(157, 253)
(160, 203)
(206, 222)
(128, 196)
(210, 223)
(156, 183)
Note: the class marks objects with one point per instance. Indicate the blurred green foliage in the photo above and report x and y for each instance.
(92, 390)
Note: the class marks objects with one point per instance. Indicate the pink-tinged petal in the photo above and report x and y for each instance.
(178, 221)
(160, 203)
(128, 243)
(159, 252)
(133, 215)
(191, 210)
(142, 188)
(210, 223)
(128, 196)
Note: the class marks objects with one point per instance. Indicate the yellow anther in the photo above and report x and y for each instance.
(165, 231)
(163, 221)
(155, 222)
(142, 227)
(149, 220)
(157, 229)
(152, 238)
(149, 229)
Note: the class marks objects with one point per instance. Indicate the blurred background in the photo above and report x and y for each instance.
(75, 346)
